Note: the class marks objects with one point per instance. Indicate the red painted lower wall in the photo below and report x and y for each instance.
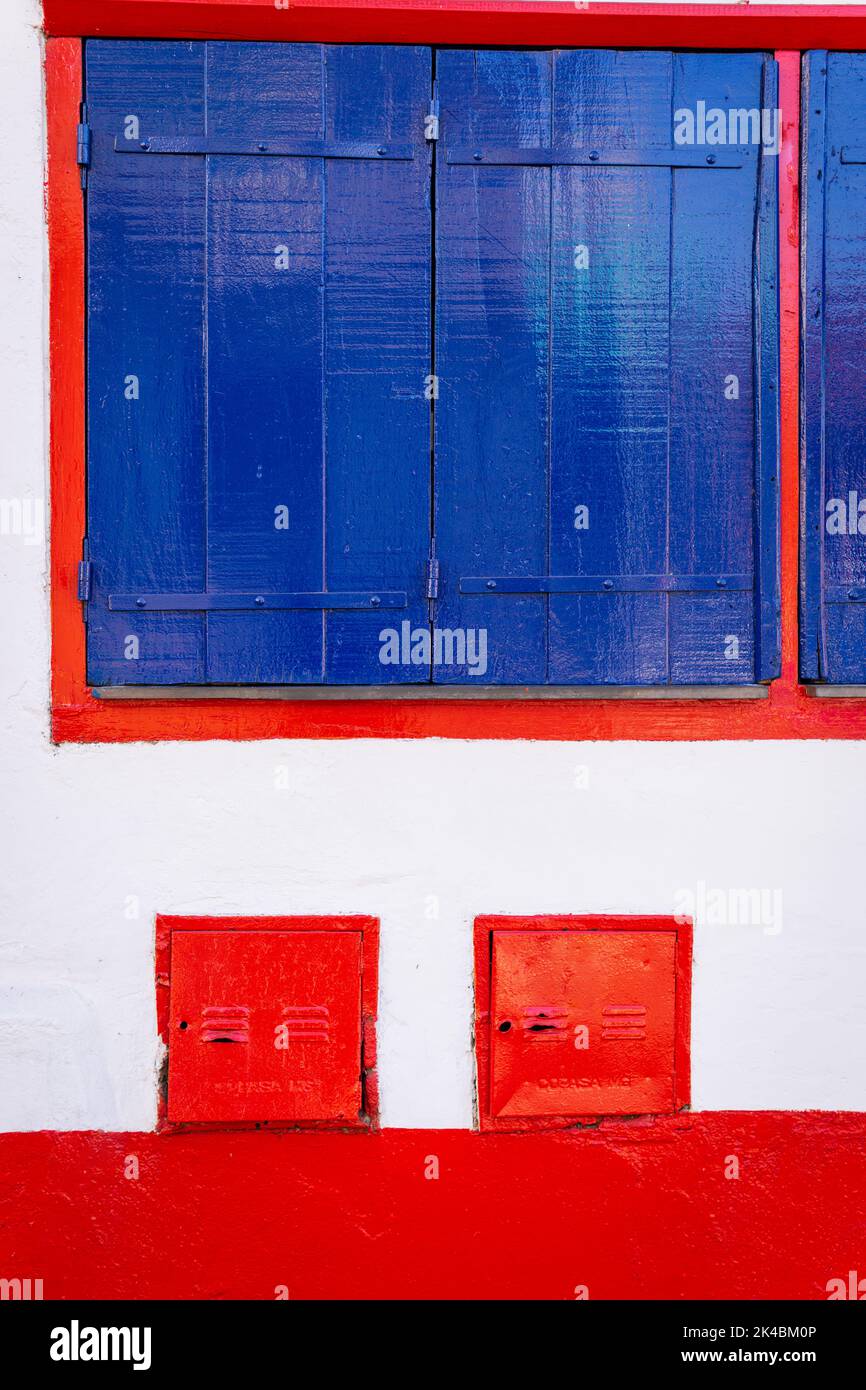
(640, 1210)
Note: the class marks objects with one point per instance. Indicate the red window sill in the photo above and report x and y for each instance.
(786, 713)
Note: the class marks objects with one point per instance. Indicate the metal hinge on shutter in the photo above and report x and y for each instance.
(85, 575)
(84, 146)
(431, 120)
(432, 573)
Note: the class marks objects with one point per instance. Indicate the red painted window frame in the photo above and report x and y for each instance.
(483, 932)
(366, 927)
(789, 711)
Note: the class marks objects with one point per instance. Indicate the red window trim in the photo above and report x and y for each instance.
(77, 715)
(485, 926)
(366, 927)
(477, 22)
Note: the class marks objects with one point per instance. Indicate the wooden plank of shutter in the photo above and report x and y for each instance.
(834, 629)
(145, 223)
(492, 329)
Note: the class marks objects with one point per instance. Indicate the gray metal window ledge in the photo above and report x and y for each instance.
(431, 692)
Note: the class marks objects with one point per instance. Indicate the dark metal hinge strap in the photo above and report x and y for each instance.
(274, 148)
(652, 157)
(84, 146)
(85, 573)
(215, 603)
(603, 584)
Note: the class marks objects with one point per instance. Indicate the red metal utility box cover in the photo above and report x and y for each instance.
(583, 1020)
(265, 1026)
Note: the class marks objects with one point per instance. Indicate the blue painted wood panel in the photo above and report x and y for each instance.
(264, 316)
(270, 293)
(146, 375)
(492, 354)
(833, 453)
(279, 440)
(610, 367)
(713, 520)
(377, 358)
(606, 347)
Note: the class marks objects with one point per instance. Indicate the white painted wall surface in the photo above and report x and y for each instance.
(97, 840)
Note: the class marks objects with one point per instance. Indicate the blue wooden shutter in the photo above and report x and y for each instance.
(597, 288)
(258, 348)
(833, 558)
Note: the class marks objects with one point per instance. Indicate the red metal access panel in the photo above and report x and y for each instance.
(580, 1017)
(268, 1022)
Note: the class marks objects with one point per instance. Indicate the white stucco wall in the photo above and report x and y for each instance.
(424, 835)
